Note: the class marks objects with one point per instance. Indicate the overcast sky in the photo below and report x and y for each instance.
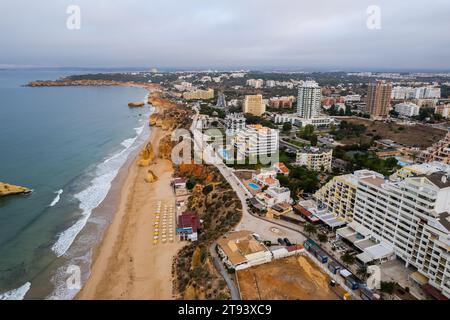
(313, 34)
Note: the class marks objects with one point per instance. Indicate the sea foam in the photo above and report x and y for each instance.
(57, 198)
(16, 294)
(91, 197)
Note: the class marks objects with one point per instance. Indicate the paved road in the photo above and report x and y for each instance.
(219, 266)
(212, 158)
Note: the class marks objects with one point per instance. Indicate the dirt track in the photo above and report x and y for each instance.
(292, 278)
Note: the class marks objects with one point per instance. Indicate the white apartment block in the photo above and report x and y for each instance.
(316, 159)
(352, 98)
(270, 83)
(301, 122)
(412, 216)
(255, 83)
(308, 102)
(407, 109)
(403, 93)
(273, 196)
(256, 140)
(407, 214)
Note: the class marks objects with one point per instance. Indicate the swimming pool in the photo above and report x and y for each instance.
(401, 163)
(254, 186)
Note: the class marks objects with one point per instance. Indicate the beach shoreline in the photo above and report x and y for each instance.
(126, 264)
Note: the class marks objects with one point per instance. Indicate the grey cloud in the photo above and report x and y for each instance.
(200, 33)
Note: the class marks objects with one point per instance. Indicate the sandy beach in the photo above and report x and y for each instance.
(128, 264)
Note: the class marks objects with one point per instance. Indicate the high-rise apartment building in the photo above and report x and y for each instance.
(378, 99)
(256, 140)
(411, 215)
(406, 215)
(254, 104)
(308, 102)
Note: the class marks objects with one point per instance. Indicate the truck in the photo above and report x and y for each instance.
(334, 267)
(309, 244)
(352, 283)
(321, 256)
(345, 273)
(341, 292)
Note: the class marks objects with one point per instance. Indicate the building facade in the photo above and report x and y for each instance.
(378, 99)
(256, 140)
(412, 216)
(443, 110)
(407, 109)
(281, 102)
(234, 123)
(440, 151)
(316, 159)
(339, 194)
(199, 95)
(309, 99)
(254, 104)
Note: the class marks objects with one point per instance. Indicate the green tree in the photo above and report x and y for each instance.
(310, 229)
(322, 237)
(347, 258)
(287, 127)
(388, 287)
(362, 272)
(313, 139)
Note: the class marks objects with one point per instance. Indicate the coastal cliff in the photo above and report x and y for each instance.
(9, 189)
(157, 99)
(146, 156)
(67, 82)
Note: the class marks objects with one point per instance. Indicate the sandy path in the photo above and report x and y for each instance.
(128, 265)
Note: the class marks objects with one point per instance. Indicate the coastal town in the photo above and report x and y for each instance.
(353, 204)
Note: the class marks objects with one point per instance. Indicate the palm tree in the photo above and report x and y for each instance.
(310, 229)
(347, 258)
(362, 272)
(322, 238)
(388, 287)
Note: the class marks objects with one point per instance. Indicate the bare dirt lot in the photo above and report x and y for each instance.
(418, 135)
(292, 278)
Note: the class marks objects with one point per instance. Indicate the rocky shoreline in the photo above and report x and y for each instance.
(65, 82)
(7, 189)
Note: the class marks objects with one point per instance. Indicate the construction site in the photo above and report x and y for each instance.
(292, 278)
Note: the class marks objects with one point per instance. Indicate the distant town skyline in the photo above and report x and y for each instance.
(256, 35)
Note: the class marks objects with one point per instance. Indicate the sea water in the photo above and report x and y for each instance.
(67, 144)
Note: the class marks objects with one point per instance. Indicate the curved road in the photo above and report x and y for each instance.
(210, 157)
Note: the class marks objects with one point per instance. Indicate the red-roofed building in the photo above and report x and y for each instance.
(280, 167)
(188, 226)
(308, 215)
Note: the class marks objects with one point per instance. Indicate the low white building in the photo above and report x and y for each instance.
(407, 109)
(301, 122)
(241, 249)
(273, 196)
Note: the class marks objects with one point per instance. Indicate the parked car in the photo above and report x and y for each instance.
(286, 240)
(281, 241)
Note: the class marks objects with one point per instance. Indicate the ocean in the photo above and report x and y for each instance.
(67, 144)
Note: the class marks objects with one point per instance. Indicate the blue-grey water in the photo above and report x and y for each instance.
(67, 144)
